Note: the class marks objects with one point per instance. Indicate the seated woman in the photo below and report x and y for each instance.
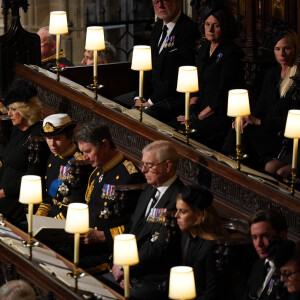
(261, 130)
(25, 111)
(219, 70)
(58, 129)
(198, 220)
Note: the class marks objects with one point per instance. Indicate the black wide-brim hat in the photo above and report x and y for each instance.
(57, 124)
(20, 91)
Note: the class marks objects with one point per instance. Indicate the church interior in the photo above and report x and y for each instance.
(219, 147)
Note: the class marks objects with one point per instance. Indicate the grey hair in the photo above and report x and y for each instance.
(17, 289)
(51, 37)
(163, 150)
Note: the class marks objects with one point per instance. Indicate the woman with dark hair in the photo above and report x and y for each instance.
(219, 70)
(25, 111)
(200, 224)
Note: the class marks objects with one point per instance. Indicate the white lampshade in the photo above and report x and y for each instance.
(292, 127)
(95, 38)
(31, 189)
(141, 58)
(238, 103)
(182, 283)
(187, 79)
(77, 220)
(58, 22)
(125, 250)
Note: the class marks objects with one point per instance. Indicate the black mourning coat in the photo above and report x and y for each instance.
(160, 83)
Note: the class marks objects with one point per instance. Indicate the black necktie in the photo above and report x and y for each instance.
(164, 34)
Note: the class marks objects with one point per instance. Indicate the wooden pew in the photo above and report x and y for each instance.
(47, 286)
(117, 78)
(236, 193)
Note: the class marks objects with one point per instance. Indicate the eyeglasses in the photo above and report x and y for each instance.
(164, 2)
(286, 276)
(149, 166)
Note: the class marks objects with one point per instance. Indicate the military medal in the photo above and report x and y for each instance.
(108, 191)
(166, 42)
(154, 236)
(63, 189)
(270, 288)
(63, 173)
(156, 215)
(101, 176)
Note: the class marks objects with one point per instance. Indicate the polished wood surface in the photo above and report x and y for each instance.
(46, 285)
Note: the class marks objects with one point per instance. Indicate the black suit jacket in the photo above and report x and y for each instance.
(161, 82)
(202, 258)
(256, 280)
(156, 257)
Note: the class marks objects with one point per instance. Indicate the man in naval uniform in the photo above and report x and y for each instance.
(111, 168)
(58, 131)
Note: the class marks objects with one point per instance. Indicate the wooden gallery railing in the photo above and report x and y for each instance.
(236, 194)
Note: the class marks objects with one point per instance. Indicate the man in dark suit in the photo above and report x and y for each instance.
(172, 45)
(156, 255)
(264, 281)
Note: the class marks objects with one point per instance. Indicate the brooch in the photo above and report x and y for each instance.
(219, 56)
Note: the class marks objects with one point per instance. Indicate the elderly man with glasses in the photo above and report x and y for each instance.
(156, 253)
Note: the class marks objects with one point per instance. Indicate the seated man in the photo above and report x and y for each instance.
(156, 255)
(104, 56)
(172, 45)
(263, 282)
(110, 168)
(58, 129)
(48, 50)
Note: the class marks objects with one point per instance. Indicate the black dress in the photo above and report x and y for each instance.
(217, 74)
(15, 165)
(264, 142)
(200, 255)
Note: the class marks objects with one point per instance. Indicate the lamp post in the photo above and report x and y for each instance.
(238, 106)
(125, 254)
(58, 25)
(141, 61)
(77, 222)
(292, 130)
(187, 83)
(30, 193)
(182, 283)
(95, 42)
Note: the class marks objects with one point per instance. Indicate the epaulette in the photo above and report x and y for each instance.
(130, 167)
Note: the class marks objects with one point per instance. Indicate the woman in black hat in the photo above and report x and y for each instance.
(58, 130)
(201, 226)
(219, 70)
(25, 111)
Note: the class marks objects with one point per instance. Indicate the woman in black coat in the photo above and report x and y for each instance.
(219, 70)
(263, 129)
(25, 111)
(201, 226)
